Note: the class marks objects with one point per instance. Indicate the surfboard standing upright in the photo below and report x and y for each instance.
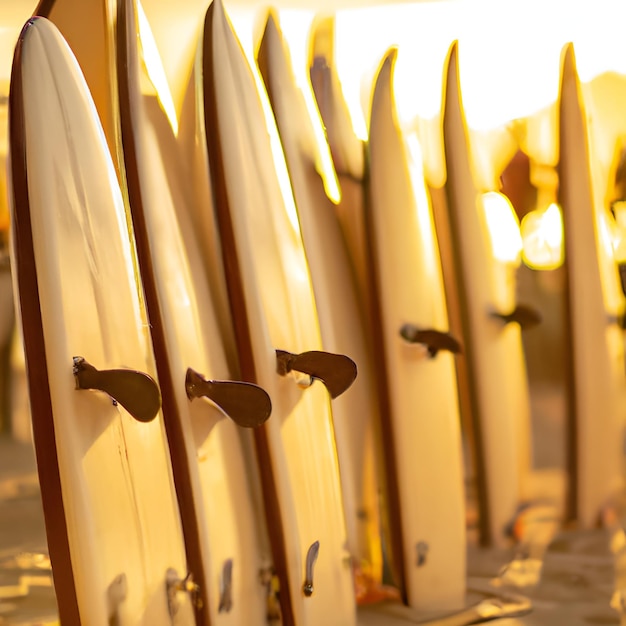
(274, 312)
(112, 521)
(496, 368)
(218, 517)
(596, 368)
(419, 358)
(341, 319)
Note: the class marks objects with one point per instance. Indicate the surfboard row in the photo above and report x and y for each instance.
(191, 301)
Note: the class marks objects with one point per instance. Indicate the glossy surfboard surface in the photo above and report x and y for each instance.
(341, 318)
(88, 27)
(273, 307)
(209, 469)
(496, 368)
(597, 353)
(175, 27)
(347, 151)
(422, 384)
(111, 514)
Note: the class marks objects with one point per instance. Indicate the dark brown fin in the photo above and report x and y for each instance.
(524, 315)
(137, 392)
(336, 371)
(226, 594)
(434, 340)
(311, 558)
(247, 404)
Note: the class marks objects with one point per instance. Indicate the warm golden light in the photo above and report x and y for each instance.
(519, 80)
(503, 227)
(612, 231)
(542, 237)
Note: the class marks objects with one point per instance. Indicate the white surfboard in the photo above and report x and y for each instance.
(273, 307)
(347, 150)
(493, 348)
(216, 507)
(342, 320)
(112, 520)
(419, 358)
(596, 370)
(88, 27)
(175, 28)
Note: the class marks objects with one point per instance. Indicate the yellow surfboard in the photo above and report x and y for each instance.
(341, 318)
(485, 288)
(219, 519)
(277, 333)
(595, 303)
(419, 361)
(112, 519)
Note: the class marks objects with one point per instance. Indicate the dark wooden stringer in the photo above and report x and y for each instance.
(137, 392)
(336, 371)
(247, 404)
(434, 340)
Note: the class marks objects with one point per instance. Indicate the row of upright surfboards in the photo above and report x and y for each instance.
(175, 286)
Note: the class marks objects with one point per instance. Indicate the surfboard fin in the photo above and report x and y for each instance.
(434, 340)
(248, 405)
(311, 558)
(526, 316)
(226, 592)
(336, 371)
(174, 585)
(137, 392)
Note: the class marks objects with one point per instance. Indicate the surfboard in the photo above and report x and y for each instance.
(498, 386)
(209, 468)
(341, 318)
(88, 28)
(346, 149)
(419, 358)
(274, 315)
(112, 519)
(175, 28)
(596, 367)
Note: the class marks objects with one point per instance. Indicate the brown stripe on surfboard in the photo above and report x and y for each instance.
(453, 268)
(384, 424)
(241, 323)
(126, 38)
(35, 350)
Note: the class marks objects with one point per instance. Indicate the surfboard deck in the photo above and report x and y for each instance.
(498, 385)
(341, 318)
(597, 353)
(273, 307)
(420, 370)
(112, 519)
(218, 515)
